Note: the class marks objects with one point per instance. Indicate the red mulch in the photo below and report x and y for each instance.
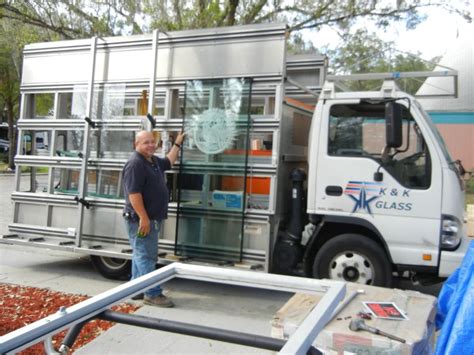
(20, 305)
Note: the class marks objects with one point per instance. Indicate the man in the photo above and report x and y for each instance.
(146, 196)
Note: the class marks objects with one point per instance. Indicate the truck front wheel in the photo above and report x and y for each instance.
(112, 268)
(353, 258)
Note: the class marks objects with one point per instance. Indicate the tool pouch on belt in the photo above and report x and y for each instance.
(130, 216)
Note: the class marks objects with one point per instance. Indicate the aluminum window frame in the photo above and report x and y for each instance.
(298, 343)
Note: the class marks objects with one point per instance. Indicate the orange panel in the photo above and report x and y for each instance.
(300, 104)
(255, 185)
(258, 185)
(232, 183)
(260, 153)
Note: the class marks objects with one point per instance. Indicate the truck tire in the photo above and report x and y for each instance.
(353, 258)
(112, 268)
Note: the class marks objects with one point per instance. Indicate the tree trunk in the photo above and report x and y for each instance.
(232, 11)
(11, 133)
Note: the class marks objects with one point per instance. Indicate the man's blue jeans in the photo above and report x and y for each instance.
(145, 252)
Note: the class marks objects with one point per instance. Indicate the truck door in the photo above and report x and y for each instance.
(404, 207)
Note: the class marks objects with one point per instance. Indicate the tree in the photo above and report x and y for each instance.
(364, 52)
(298, 45)
(74, 18)
(13, 37)
(85, 18)
(26, 21)
(9, 89)
(9, 99)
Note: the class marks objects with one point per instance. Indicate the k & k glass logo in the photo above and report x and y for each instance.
(363, 193)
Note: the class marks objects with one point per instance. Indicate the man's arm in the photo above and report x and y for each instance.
(174, 151)
(136, 200)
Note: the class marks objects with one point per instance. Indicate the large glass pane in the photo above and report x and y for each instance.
(70, 143)
(108, 144)
(66, 181)
(36, 143)
(108, 102)
(43, 105)
(104, 183)
(101, 183)
(33, 179)
(212, 179)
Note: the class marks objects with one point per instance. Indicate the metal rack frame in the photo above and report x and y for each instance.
(76, 316)
(161, 66)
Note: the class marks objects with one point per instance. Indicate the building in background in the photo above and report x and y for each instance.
(454, 117)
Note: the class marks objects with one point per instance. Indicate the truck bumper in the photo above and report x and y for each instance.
(450, 260)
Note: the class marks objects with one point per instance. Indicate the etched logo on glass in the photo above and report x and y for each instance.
(214, 130)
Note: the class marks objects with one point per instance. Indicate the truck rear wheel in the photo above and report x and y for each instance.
(353, 258)
(112, 268)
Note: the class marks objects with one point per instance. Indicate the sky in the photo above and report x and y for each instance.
(432, 38)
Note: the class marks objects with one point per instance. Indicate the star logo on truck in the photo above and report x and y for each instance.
(363, 194)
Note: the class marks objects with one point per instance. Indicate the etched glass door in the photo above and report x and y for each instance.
(211, 183)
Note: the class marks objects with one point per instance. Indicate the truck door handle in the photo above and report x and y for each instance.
(334, 190)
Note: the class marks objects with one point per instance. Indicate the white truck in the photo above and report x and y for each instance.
(383, 195)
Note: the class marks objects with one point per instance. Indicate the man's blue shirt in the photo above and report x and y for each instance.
(141, 176)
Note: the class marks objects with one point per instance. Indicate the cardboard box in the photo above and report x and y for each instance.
(228, 199)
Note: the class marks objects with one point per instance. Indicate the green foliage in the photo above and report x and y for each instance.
(297, 45)
(9, 74)
(360, 53)
(470, 184)
(44, 105)
(13, 37)
(364, 52)
(85, 18)
(24, 22)
(3, 159)
(470, 189)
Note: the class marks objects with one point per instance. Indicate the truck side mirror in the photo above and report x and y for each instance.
(393, 124)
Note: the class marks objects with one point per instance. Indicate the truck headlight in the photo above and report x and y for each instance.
(450, 232)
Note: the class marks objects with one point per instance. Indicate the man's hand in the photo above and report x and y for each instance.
(136, 200)
(174, 151)
(180, 138)
(143, 227)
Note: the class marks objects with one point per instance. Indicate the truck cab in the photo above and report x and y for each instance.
(384, 195)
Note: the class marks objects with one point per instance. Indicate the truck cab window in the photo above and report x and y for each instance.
(358, 130)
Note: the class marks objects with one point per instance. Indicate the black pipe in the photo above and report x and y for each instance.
(288, 251)
(296, 223)
(257, 341)
(71, 335)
